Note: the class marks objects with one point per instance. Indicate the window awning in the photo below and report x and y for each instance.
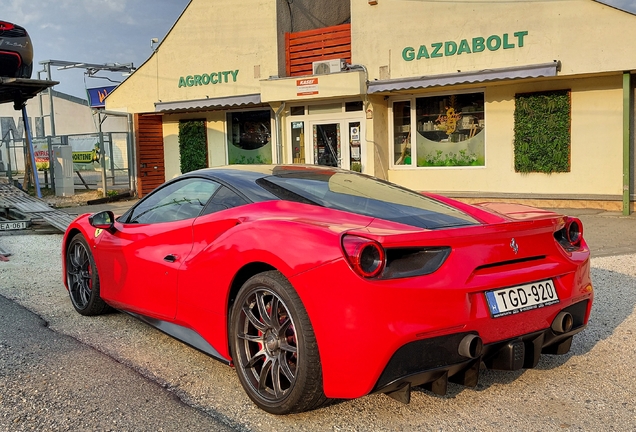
(517, 72)
(209, 103)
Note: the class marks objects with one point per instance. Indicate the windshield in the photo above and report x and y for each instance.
(358, 193)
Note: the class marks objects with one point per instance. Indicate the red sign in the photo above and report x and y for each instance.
(307, 86)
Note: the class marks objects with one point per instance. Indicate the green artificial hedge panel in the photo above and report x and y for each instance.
(192, 145)
(542, 132)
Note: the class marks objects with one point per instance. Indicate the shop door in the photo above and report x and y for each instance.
(150, 162)
(335, 143)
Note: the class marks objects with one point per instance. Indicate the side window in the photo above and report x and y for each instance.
(224, 199)
(177, 201)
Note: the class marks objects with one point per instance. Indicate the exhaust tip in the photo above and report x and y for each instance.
(562, 323)
(470, 346)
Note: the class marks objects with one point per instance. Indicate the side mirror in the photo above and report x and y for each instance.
(103, 220)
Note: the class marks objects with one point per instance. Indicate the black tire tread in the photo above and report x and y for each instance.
(96, 306)
(313, 396)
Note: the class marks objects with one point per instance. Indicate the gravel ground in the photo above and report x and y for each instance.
(590, 388)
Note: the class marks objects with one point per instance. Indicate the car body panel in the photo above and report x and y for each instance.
(360, 324)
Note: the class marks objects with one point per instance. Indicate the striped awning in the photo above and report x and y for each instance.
(209, 103)
(470, 77)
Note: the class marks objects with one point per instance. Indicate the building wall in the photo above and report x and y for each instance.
(582, 34)
(208, 39)
(596, 145)
(215, 123)
(301, 15)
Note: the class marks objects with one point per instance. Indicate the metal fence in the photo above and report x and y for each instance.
(87, 163)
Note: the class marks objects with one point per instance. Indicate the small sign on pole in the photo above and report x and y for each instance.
(97, 96)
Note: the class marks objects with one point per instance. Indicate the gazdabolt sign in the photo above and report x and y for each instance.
(207, 79)
(465, 46)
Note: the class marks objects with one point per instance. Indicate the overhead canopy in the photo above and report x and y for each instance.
(209, 103)
(517, 72)
(19, 90)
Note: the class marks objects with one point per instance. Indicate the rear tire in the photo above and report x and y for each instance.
(83, 279)
(274, 347)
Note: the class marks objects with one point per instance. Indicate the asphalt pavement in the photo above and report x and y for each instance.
(52, 382)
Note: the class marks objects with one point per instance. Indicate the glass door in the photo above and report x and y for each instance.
(334, 143)
(326, 144)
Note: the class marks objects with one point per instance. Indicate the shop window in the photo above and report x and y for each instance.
(440, 131)
(450, 130)
(297, 110)
(402, 133)
(249, 137)
(542, 132)
(353, 106)
(298, 141)
(332, 108)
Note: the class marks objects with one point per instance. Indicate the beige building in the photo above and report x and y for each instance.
(529, 101)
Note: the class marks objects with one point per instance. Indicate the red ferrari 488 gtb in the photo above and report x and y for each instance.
(318, 283)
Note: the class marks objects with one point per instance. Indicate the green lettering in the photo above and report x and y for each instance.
(213, 78)
(182, 82)
(205, 79)
(450, 48)
(478, 44)
(437, 47)
(225, 75)
(463, 47)
(189, 80)
(493, 46)
(423, 52)
(234, 75)
(507, 45)
(408, 54)
(520, 35)
(197, 80)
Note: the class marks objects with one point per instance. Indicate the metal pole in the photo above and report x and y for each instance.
(50, 90)
(626, 139)
(102, 158)
(111, 156)
(51, 168)
(29, 137)
(132, 176)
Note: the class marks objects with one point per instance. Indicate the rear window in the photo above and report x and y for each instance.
(360, 194)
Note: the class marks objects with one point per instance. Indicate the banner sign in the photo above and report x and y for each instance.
(307, 86)
(97, 96)
(85, 149)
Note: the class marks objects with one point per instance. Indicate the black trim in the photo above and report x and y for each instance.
(432, 362)
(184, 334)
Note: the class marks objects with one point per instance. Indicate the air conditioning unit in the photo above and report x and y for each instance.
(324, 67)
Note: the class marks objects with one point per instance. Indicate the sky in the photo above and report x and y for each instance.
(105, 31)
(91, 31)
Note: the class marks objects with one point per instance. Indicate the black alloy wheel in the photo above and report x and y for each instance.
(82, 278)
(274, 348)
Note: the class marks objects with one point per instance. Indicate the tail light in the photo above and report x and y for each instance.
(574, 231)
(370, 260)
(365, 256)
(571, 235)
(4, 26)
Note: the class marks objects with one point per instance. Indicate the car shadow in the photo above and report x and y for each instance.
(614, 302)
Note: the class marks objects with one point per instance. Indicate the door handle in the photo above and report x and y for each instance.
(170, 258)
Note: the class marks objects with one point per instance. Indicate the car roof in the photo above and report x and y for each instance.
(243, 178)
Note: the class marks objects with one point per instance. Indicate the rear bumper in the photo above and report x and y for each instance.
(434, 362)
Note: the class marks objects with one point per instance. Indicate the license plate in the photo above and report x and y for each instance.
(10, 226)
(521, 298)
